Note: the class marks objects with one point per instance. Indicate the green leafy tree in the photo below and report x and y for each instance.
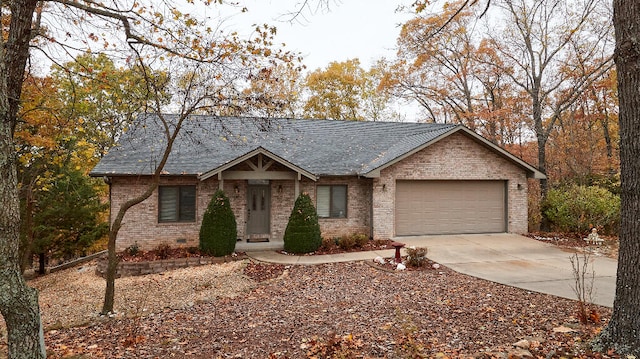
(302, 234)
(67, 218)
(218, 231)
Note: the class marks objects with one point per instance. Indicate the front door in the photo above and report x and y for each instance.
(258, 212)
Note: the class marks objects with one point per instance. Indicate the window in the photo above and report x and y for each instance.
(331, 201)
(177, 204)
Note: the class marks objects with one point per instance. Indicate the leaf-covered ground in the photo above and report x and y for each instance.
(346, 310)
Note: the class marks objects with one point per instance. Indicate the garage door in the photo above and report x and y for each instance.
(450, 207)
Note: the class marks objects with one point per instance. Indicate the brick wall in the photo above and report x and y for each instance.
(140, 225)
(358, 218)
(456, 157)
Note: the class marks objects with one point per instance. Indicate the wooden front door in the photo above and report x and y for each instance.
(258, 212)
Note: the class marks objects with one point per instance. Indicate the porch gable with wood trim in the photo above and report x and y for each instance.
(259, 162)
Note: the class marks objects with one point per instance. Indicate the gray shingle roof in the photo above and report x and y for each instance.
(321, 147)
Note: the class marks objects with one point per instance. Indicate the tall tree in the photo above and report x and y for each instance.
(67, 218)
(39, 136)
(376, 105)
(335, 92)
(274, 92)
(345, 91)
(622, 331)
(69, 120)
(438, 71)
(446, 71)
(18, 302)
(583, 147)
(537, 43)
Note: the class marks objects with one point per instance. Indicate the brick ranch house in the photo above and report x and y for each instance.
(382, 179)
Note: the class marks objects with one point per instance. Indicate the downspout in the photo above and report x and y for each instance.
(371, 211)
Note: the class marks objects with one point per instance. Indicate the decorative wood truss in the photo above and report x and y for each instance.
(259, 161)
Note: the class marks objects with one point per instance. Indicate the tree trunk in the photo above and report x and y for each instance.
(18, 302)
(112, 267)
(545, 225)
(623, 331)
(109, 294)
(42, 265)
(26, 250)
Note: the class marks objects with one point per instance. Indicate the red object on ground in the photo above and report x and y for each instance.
(398, 246)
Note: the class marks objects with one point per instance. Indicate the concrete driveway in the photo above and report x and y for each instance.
(517, 261)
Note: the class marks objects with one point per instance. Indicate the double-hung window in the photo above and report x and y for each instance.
(331, 201)
(176, 204)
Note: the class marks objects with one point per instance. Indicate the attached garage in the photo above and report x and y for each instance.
(450, 207)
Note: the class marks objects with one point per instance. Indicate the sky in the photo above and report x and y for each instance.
(363, 29)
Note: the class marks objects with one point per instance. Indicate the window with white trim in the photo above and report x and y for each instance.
(176, 204)
(331, 201)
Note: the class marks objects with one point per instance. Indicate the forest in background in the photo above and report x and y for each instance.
(540, 83)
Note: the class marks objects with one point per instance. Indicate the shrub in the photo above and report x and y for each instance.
(329, 243)
(346, 242)
(356, 240)
(302, 234)
(360, 239)
(578, 208)
(133, 250)
(416, 257)
(163, 251)
(218, 232)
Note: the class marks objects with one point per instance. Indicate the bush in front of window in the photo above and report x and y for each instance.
(218, 231)
(303, 231)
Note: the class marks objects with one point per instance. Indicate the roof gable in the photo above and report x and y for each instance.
(257, 152)
(419, 143)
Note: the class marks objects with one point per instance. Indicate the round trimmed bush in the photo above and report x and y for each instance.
(218, 232)
(303, 231)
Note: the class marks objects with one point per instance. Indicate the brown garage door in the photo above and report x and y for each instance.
(450, 207)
